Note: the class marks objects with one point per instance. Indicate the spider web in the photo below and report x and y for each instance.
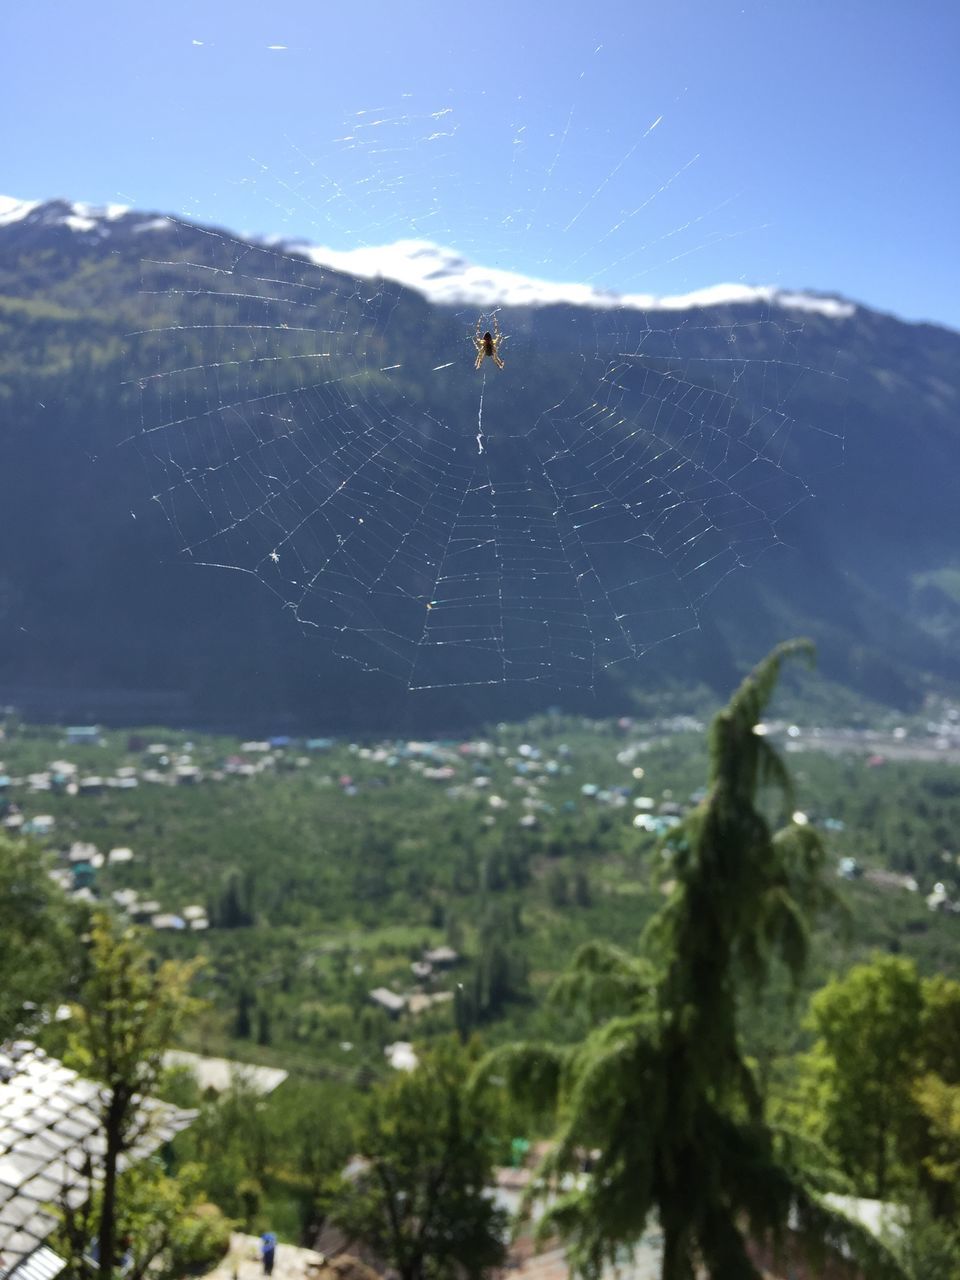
(327, 433)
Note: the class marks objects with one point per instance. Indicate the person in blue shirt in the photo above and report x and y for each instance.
(268, 1250)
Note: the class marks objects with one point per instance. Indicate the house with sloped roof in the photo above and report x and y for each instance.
(387, 1000)
(50, 1134)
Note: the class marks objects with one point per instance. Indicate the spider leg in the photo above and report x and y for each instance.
(479, 361)
(497, 361)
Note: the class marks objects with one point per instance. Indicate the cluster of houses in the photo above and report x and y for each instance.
(504, 778)
(76, 875)
(161, 765)
(937, 739)
(430, 966)
(479, 769)
(520, 783)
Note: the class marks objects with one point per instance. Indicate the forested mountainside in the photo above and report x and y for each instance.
(103, 616)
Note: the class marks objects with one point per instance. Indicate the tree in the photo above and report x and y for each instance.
(172, 1229)
(582, 893)
(34, 944)
(232, 1138)
(422, 1200)
(264, 1035)
(126, 1019)
(234, 906)
(882, 1075)
(301, 1134)
(939, 1105)
(927, 1248)
(242, 1028)
(862, 1065)
(659, 1090)
(558, 889)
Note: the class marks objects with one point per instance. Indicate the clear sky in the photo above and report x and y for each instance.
(812, 145)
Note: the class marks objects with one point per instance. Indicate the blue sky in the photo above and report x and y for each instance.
(807, 145)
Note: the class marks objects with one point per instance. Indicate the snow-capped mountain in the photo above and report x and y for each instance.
(98, 614)
(83, 219)
(444, 276)
(440, 274)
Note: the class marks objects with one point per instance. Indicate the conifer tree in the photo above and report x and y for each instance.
(125, 1021)
(659, 1092)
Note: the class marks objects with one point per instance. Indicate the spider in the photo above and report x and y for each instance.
(488, 344)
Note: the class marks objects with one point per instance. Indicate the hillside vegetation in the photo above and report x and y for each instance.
(104, 616)
(324, 873)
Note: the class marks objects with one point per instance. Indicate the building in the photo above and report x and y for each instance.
(80, 735)
(386, 999)
(220, 1073)
(49, 1130)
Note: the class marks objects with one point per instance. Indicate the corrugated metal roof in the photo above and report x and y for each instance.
(42, 1264)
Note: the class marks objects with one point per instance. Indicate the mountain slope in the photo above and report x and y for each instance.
(101, 615)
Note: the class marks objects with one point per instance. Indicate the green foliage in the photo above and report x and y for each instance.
(128, 1014)
(263, 1026)
(34, 938)
(882, 1075)
(659, 1091)
(499, 975)
(926, 1247)
(297, 842)
(165, 1224)
(234, 905)
(241, 1022)
(421, 1201)
(262, 1153)
(861, 1068)
(939, 1105)
(127, 1018)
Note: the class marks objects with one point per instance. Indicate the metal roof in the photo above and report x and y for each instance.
(49, 1131)
(42, 1264)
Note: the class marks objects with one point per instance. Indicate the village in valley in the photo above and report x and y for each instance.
(629, 781)
(356, 901)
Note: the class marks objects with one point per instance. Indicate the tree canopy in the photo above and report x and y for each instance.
(126, 1019)
(883, 1076)
(34, 940)
(659, 1094)
(421, 1198)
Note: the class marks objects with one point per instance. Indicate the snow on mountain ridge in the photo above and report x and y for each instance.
(13, 210)
(52, 213)
(444, 276)
(440, 274)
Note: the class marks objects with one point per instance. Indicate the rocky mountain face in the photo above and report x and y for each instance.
(145, 365)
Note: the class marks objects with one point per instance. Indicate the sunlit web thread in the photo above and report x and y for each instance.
(483, 384)
(580, 537)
